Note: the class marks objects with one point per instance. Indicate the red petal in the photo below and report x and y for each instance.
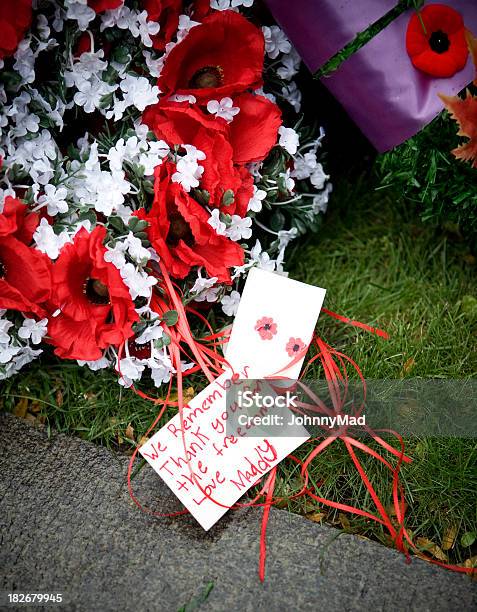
(254, 130)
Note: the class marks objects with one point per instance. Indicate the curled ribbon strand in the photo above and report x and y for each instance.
(335, 366)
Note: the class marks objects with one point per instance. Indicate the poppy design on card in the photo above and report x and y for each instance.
(294, 346)
(266, 327)
(435, 40)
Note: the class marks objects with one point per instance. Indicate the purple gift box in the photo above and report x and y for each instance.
(378, 85)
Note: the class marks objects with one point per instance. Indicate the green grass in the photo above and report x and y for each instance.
(382, 267)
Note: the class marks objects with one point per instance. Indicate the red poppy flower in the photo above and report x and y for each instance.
(105, 5)
(15, 19)
(25, 277)
(220, 57)
(17, 221)
(294, 346)
(96, 308)
(266, 328)
(181, 123)
(180, 233)
(435, 40)
(249, 137)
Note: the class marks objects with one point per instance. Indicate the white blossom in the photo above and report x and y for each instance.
(81, 13)
(230, 303)
(130, 369)
(289, 66)
(215, 222)
(275, 41)
(137, 281)
(320, 201)
(99, 364)
(224, 109)
(205, 290)
(47, 241)
(34, 330)
(154, 65)
(7, 352)
(258, 196)
(90, 94)
(135, 249)
(292, 95)
(188, 172)
(161, 368)
(5, 325)
(151, 333)
(318, 177)
(262, 258)
(288, 182)
(55, 200)
(183, 98)
(289, 139)
(240, 227)
(304, 165)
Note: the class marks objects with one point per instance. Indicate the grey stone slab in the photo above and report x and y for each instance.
(67, 522)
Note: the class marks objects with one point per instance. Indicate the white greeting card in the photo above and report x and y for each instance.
(273, 326)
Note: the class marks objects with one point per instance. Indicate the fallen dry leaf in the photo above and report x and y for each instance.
(344, 521)
(470, 259)
(316, 517)
(129, 433)
(189, 394)
(449, 538)
(391, 510)
(21, 408)
(470, 562)
(409, 365)
(59, 398)
(433, 549)
(464, 111)
(34, 407)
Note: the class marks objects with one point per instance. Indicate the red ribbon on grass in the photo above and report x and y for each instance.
(335, 365)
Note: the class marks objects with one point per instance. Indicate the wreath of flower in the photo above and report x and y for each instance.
(140, 136)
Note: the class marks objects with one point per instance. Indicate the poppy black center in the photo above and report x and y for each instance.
(3, 269)
(179, 230)
(96, 291)
(208, 76)
(296, 348)
(439, 41)
(267, 326)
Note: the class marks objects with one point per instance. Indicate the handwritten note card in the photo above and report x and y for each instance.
(275, 321)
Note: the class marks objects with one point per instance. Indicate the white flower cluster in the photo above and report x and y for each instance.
(16, 344)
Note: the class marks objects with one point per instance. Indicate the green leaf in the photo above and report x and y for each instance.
(468, 538)
(228, 198)
(202, 196)
(277, 221)
(140, 225)
(116, 223)
(132, 223)
(170, 317)
(121, 55)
